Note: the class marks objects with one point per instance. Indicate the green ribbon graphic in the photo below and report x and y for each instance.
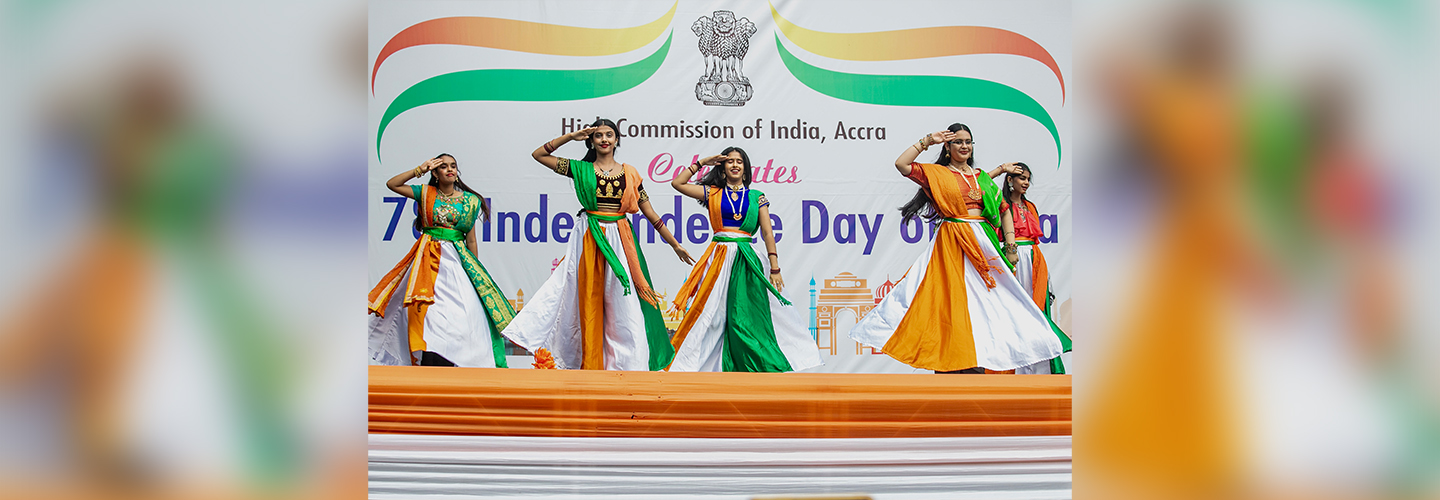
(918, 90)
(523, 85)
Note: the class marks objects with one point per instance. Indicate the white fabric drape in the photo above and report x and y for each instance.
(410, 466)
(703, 347)
(1024, 273)
(551, 318)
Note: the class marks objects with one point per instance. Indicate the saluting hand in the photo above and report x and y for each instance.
(582, 134)
(941, 137)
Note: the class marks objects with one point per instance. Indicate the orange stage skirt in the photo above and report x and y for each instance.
(576, 403)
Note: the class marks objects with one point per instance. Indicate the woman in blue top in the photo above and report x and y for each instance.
(738, 321)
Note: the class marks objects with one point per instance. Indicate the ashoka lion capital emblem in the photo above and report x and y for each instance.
(724, 41)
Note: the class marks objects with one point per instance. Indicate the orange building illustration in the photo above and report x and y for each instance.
(845, 298)
(519, 300)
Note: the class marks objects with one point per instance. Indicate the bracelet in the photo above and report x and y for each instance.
(417, 172)
(925, 142)
(548, 148)
(775, 254)
(694, 168)
(775, 271)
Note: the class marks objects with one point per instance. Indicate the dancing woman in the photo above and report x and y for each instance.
(438, 306)
(597, 311)
(738, 322)
(1030, 269)
(959, 306)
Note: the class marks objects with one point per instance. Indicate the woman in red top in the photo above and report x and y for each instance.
(959, 307)
(1030, 268)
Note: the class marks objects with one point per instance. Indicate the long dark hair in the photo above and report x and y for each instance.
(921, 204)
(1026, 169)
(716, 176)
(590, 153)
(434, 181)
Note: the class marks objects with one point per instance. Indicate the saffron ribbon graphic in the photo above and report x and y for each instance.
(917, 43)
(523, 36)
(918, 90)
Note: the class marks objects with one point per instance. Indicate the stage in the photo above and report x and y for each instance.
(498, 433)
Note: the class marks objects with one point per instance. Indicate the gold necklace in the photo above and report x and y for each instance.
(974, 192)
(737, 206)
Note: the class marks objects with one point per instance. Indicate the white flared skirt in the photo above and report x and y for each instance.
(455, 325)
(1024, 273)
(551, 317)
(703, 347)
(1010, 331)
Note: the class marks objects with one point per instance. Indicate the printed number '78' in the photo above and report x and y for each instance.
(399, 202)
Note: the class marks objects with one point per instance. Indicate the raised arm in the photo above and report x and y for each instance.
(682, 182)
(1007, 228)
(665, 232)
(903, 162)
(397, 183)
(1005, 168)
(768, 234)
(543, 154)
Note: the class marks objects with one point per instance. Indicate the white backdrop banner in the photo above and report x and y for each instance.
(823, 96)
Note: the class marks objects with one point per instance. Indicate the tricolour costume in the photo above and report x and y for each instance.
(1033, 274)
(439, 298)
(738, 321)
(597, 311)
(959, 306)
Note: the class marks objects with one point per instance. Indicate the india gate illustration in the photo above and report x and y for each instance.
(842, 301)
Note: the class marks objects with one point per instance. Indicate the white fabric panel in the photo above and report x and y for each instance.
(407, 466)
(704, 345)
(1025, 267)
(552, 318)
(1024, 273)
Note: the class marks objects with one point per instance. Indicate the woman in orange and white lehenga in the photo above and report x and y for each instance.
(597, 311)
(959, 307)
(738, 321)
